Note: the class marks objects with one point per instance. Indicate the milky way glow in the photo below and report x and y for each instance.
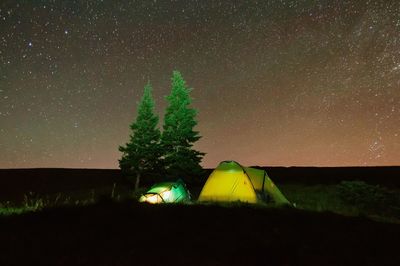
(275, 82)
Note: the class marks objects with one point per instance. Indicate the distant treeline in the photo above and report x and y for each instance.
(14, 183)
(388, 176)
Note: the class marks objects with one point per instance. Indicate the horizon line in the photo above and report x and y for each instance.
(274, 166)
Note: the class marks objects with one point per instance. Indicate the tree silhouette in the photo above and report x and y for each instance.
(141, 155)
(178, 137)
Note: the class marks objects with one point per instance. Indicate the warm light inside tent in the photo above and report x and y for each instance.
(151, 199)
(166, 194)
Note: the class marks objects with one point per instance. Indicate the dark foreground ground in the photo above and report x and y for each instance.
(128, 233)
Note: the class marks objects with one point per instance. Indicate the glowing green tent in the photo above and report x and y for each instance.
(232, 182)
(167, 192)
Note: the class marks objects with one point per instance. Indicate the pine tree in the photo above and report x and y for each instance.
(178, 137)
(141, 155)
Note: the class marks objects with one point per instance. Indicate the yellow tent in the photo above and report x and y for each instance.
(232, 182)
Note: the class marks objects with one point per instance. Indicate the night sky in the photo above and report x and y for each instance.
(275, 82)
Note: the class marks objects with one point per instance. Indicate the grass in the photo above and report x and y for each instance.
(33, 202)
(321, 198)
(317, 198)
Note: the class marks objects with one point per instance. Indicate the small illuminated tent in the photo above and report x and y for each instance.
(232, 182)
(168, 192)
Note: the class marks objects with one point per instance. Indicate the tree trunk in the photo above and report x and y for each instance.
(137, 182)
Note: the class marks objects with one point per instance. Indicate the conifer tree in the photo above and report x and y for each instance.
(178, 137)
(141, 155)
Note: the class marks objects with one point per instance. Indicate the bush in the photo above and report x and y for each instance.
(368, 197)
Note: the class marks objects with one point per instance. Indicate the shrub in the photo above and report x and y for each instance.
(367, 197)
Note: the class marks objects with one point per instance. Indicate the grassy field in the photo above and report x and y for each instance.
(321, 198)
(318, 198)
(333, 224)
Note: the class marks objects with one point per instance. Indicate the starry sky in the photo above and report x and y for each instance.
(276, 83)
